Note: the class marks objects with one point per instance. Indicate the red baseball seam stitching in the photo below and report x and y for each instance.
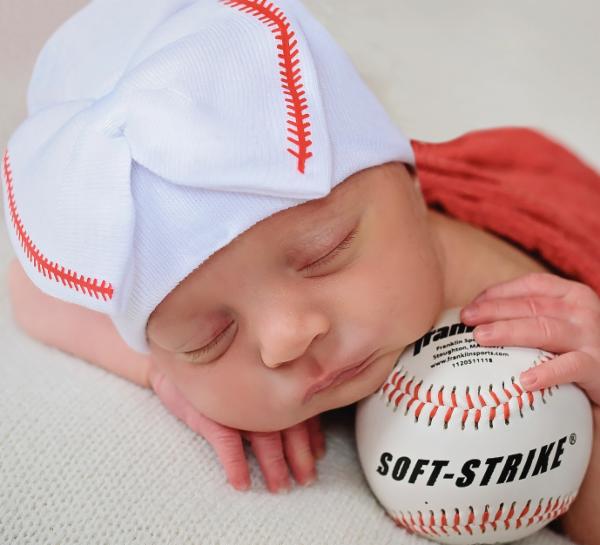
(410, 392)
(275, 18)
(415, 523)
(41, 262)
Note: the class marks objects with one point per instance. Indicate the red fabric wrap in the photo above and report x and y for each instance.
(522, 186)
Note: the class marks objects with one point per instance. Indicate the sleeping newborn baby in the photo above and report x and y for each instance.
(236, 222)
(300, 296)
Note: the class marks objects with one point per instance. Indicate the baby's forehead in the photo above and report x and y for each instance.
(297, 229)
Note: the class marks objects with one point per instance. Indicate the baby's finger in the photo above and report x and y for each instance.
(574, 366)
(543, 332)
(227, 443)
(296, 443)
(317, 437)
(535, 283)
(507, 308)
(268, 448)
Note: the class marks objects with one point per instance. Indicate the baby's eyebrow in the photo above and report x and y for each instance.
(318, 238)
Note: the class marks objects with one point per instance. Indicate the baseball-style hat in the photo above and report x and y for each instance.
(159, 130)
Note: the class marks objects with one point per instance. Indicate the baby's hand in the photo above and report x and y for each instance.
(302, 443)
(543, 310)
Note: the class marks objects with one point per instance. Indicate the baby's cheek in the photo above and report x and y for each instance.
(411, 310)
(407, 295)
(217, 393)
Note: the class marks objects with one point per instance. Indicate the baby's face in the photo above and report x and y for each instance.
(249, 331)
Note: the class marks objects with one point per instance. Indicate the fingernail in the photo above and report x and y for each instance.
(528, 379)
(311, 479)
(241, 486)
(484, 332)
(469, 312)
(283, 488)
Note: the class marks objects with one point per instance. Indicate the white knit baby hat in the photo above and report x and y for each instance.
(159, 130)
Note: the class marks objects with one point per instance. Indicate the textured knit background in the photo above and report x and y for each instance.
(89, 458)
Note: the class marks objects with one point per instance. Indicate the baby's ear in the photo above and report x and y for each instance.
(412, 171)
(417, 190)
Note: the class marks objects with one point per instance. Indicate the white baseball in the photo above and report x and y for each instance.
(456, 450)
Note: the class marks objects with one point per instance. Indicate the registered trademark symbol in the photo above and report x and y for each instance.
(572, 439)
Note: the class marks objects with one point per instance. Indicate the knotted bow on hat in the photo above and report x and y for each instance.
(159, 130)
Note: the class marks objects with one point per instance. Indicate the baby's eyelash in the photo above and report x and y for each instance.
(345, 244)
(194, 355)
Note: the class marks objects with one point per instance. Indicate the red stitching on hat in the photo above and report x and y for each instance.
(296, 101)
(42, 263)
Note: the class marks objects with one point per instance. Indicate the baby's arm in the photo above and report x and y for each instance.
(84, 333)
